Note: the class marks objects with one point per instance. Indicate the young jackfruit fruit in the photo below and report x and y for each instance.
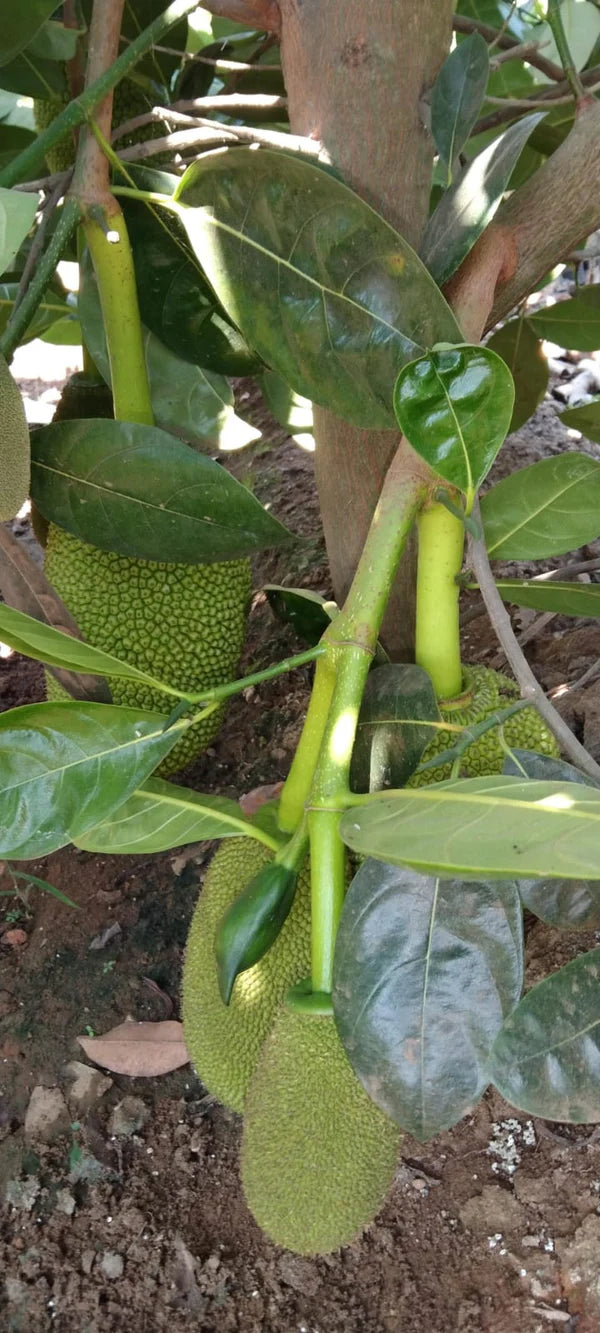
(14, 446)
(130, 99)
(183, 623)
(318, 1156)
(224, 1041)
(486, 692)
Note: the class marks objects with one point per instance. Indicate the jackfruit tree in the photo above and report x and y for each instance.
(354, 967)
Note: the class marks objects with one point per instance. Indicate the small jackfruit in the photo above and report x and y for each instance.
(14, 446)
(318, 1156)
(224, 1041)
(184, 624)
(130, 99)
(486, 692)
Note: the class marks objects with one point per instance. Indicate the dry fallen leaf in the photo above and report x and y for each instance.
(142, 1050)
(253, 800)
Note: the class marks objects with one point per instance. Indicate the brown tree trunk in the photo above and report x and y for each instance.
(355, 73)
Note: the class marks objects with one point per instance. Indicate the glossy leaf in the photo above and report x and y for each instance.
(176, 302)
(546, 1059)
(31, 75)
(457, 96)
(54, 42)
(566, 599)
(573, 323)
(66, 766)
(354, 301)
(482, 827)
(35, 639)
(542, 510)
(290, 409)
(455, 406)
(466, 209)
(20, 24)
(251, 925)
(24, 585)
(136, 490)
(17, 211)
(390, 737)
(518, 345)
(307, 612)
(585, 418)
(185, 399)
(161, 815)
(425, 972)
(50, 309)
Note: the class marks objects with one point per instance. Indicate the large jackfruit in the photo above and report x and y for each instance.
(130, 99)
(183, 623)
(486, 692)
(14, 446)
(318, 1156)
(224, 1042)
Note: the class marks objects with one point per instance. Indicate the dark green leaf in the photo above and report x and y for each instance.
(185, 399)
(531, 764)
(292, 411)
(17, 211)
(65, 767)
(518, 345)
(455, 406)
(457, 96)
(390, 737)
(157, 64)
(546, 509)
(176, 302)
(573, 323)
(32, 76)
(20, 24)
(354, 301)
(252, 923)
(54, 42)
(426, 971)
(546, 1059)
(586, 419)
(469, 205)
(161, 815)
(480, 827)
(136, 490)
(307, 612)
(566, 599)
(50, 309)
(13, 139)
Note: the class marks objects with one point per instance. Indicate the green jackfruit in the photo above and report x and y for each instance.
(318, 1156)
(14, 446)
(130, 99)
(224, 1042)
(183, 623)
(486, 692)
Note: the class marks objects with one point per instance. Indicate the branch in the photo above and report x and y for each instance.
(546, 98)
(252, 13)
(543, 230)
(530, 687)
(205, 132)
(505, 42)
(91, 179)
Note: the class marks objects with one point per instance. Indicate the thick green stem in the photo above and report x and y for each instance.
(327, 851)
(297, 785)
(22, 315)
(31, 159)
(113, 265)
(441, 543)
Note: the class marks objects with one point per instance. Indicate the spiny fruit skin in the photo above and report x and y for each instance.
(130, 99)
(490, 692)
(14, 446)
(224, 1042)
(318, 1156)
(184, 624)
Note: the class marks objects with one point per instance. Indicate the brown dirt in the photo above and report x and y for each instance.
(492, 1226)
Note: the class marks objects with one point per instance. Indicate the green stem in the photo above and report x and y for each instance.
(327, 889)
(31, 159)
(556, 25)
(23, 313)
(441, 543)
(299, 779)
(257, 677)
(113, 264)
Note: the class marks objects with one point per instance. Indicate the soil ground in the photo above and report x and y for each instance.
(494, 1225)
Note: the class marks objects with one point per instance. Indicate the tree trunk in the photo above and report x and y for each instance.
(355, 73)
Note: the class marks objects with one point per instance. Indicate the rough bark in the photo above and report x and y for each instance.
(355, 74)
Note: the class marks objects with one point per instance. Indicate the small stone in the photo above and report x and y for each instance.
(300, 1274)
(87, 1087)
(47, 1115)
(15, 938)
(15, 1290)
(494, 1210)
(580, 1271)
(22, 1193)
(65, 1203)
(128, 1117)
(87, 1261)
(133, 1219)
(112, 1265)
